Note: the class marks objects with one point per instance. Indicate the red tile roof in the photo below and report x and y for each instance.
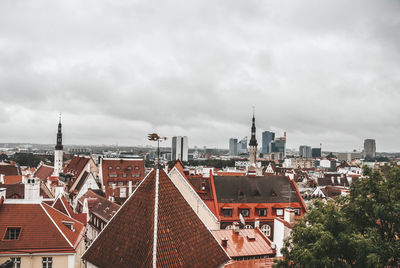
(43, 172)
(12, 179)
(61, 204)
(182, 240)
(76, 166)
(9, 170)
(240, 245)
(257, 263)
(42, 229)
(17, 191)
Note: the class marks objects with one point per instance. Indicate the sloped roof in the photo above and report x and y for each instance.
(42, 229)
(9, 170)
(243, 189)
(61, 204)
(82, 181)
(12, 179)
(76, 165)
(181, 239)
(43, 172)
(239, 245)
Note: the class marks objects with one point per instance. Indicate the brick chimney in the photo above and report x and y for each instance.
(236, 227)
(224, 242)
(289, 215)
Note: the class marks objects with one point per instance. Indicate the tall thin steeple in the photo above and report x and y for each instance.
(58, 152)
(253, 143)
(59, 145)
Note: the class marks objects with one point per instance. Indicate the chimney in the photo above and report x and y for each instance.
(203, 185)
(114, 186)
(236, 227)
(257, 223)
(289, 215)
(2, 178)
(129, 188)
(3, 192)
(32, 189)
(224, 242)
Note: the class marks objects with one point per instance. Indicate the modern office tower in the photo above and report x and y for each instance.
(267, 138)
(305, 151)
(316, 152)
(369, 148)
(242, 146)
(180, 148)
(278, 146)
(233, 146)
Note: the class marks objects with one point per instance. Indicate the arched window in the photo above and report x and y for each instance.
(266, 229)
(229, 227)
(248, 226)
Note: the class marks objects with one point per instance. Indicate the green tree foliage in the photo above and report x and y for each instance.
(26, 159)
(360, 230)
(3, 157)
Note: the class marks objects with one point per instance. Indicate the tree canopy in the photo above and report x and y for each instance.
(359, 230)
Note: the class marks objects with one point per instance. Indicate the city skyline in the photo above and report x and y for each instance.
(118, 71)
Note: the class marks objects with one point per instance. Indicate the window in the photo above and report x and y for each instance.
(136, 168)
(117, 167)
(124, 175)
(297, 211)
(129, 167)
(122, 192)
(112, 175)
(120, 183)
(279, 212)
(16, 262)
(47, 262)
(266, 229)
(248, 226)
(227, 212)
(110, 167)
(110, 183)
(245, 212)
(262, 212)
(12, 233)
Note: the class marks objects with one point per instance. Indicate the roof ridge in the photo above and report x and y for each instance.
(58, 228)
(63, 213)
(155, 226)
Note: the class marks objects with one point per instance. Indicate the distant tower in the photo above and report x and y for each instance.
(58, 153)
(253, 144)
(369, 148)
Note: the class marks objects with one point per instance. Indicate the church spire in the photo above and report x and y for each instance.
(59, 145)
(253, 140)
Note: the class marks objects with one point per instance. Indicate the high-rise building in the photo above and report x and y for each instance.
(369, 148)
(316, 152)
(305, 151)
(242, 146)
(58, 152)
(278, 146)
(253, 144)
(180, 148)
(267, 138)
(233, 146)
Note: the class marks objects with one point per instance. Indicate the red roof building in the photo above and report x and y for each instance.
(43, 172)
(156, 227)
(38, 233)
(119, 177)
(9, 170)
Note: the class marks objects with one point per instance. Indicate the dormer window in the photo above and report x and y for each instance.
(129, 167)
(136, 168)
(12, 233)
(69, 225)
(118, 167)
(262, 212)
(227, 212)
(279, 212)
(245, 212)
(110, 167)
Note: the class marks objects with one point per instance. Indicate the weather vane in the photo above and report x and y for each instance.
(155, 137)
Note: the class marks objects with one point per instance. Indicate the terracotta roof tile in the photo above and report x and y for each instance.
(43, 172)
(131, 230)
(38, 232)
(12, 179)
(9, 170)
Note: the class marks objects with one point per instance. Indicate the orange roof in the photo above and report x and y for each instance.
(257, 263)
(43, 172)
(249, 242)
(12, 179)
(231, 173)
(42, 229)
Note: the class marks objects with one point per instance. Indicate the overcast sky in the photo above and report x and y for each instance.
(323, 71)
